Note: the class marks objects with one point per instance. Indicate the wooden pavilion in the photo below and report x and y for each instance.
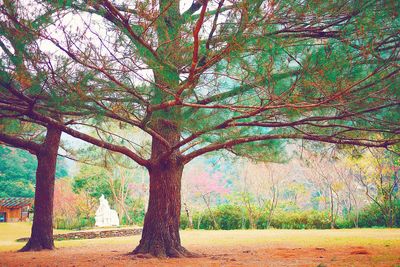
(15, 209)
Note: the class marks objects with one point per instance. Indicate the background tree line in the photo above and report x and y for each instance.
(18, 172)
(321, 188)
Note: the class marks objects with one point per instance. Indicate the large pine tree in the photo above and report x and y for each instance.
(238, 75)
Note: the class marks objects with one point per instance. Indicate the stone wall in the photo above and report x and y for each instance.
(93, 234)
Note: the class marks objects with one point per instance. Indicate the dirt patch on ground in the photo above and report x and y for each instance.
(117, 255)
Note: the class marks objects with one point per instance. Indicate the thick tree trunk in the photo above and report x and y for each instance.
(160, 236)
(42, 227)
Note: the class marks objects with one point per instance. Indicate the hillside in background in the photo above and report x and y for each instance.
(17, 172)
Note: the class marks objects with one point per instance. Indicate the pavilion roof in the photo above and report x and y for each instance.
(15, 202)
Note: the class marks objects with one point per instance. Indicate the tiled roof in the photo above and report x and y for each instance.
(15, 202)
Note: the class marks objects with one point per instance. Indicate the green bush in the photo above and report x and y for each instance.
(203, 220)
(184, 221)
(345, 222)
(234, 217)
(228, 217)
(309, 219)
(371, 216)
(73, 223)
(231, 217)
(136, 216)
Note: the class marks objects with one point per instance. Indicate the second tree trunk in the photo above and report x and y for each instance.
(42, 227)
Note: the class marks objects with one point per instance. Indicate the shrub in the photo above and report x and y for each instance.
(73, 223)
(203, 220)
(231, 217)
(309, 219)
(228, 217)
(371, 216)
(345, 222)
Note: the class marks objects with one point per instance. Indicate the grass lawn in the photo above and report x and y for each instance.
(9, 232)
(355, 247)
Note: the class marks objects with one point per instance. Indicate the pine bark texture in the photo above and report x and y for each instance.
(160, 236)
(42, 227)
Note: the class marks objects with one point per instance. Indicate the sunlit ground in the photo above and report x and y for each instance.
(9, 232)
(381, 245)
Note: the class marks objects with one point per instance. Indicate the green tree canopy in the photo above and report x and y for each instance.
(18, 172)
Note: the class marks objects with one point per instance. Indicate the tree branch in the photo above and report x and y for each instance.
(249, 139)
(10, 140)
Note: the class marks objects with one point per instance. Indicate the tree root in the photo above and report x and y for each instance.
(36, 246)
(157, 251)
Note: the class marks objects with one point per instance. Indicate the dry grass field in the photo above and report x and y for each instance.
(350, 247)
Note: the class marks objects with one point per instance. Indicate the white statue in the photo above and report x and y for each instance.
(105, 216)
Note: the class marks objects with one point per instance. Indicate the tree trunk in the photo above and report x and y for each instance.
(332, 215)
(160, 236)
(42, 227)
(188, 215)
(199, 221)
(273, 205)
(215, 224)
